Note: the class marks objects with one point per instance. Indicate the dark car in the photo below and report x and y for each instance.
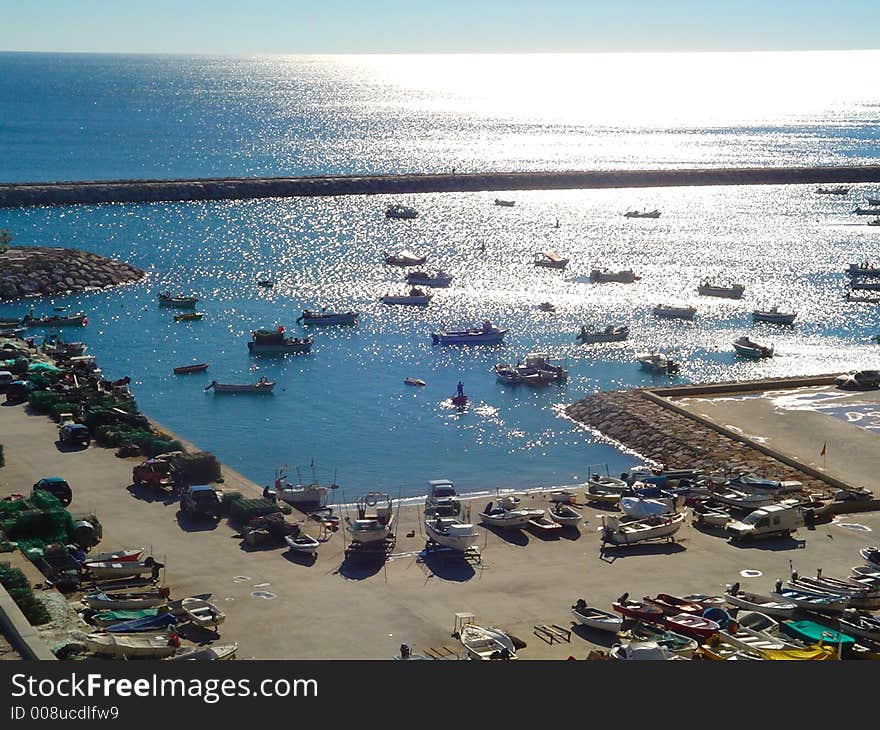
(201, 500)
(18, 391)
(57, 487)
(75, 433)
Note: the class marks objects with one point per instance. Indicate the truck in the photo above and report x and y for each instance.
(71, 432)
(772, 520)
(156, 473)
(201, 500)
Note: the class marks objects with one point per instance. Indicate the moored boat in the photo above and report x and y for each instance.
(708, 289)
(415, 298)
(189, 317)
(157, 623)
(505, 203)
(486, 334)
(550, 260)
(498, 516)
(404, 258)
(187, 369)
(864, 269)
(117, 556)
(610, 333)
(749, 348)
(439, 279)
(810, 632)
(773, 316)
(262, 386)
(325, 318)
(658, 363)
(665, 311)
(180, 301)
(832, 191)
(538, 363)
(401, 211)
(273, 342)
(642, 214)
(64, 320)
(604, 276)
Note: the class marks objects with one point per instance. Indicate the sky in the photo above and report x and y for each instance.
(232, 27)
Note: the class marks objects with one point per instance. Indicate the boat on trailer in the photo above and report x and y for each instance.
(450, 532)
(374, 520)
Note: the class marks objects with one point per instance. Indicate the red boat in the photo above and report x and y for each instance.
(637, 610)
(672, 605)
(185, 369)
(696, 627)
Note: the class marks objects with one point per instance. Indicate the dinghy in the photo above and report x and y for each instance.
(707, 289)
(550, 260)
(610, 333)
(696, 627)
(758, 602)
(415, 298)
(121, 646)
(324, 318)
(262, 386)
(638, 610)
(485, 643)
(438, 280)
(565, 515)
(202, 613)
(661, 527)
(673, 604)
(596, 618)
(544, 524)
(749, 348)
(127, 601)
(220, 652)
(158, 623)
(302, 543)
(106, 618)
(166, 299)
(640, 650)
(604, 276)
(187, 369)
(565, 496)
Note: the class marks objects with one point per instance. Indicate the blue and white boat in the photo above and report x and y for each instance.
(487, 334)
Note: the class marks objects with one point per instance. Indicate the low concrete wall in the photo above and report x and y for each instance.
(19, 633)
(145, 191)
(744, 386)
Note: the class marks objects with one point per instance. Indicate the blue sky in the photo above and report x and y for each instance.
(397, 26)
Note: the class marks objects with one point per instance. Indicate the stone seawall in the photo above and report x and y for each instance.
(664, 436)
(146, 191)
(40, 271)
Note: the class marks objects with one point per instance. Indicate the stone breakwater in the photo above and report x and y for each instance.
(667, 437)
(42, 271)
(147, 191)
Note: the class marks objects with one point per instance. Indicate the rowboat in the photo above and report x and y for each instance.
(758, 602)
(505, 203)
(604, 276)
(179, 301)
(642, 214)
(486, 334)
(302, 543)
(324, 318)
(400, 211)
(158, 623)
(637, 609)
(696, 627)
(262, 386)
(754, 640)
(661, 527)
(202, 613)
(610, 333)
(641, 650)
(757, 621)
(484, 643)
(748, 348)
(187, 369)
(664, 311)
(550, 260)
(404, 258)
(673, 604)
(810, 600)
(596, 618)
(812, 633)
(704, 600)
(273, 342)
(608, 483)
(129, 647)
(219, 652)
(450, 532)
(544, 524)
(658, 363)
(118, 556)
(565, 496)
(188, 317)
(683, 646)
(124, 569)
(855, 596)
(128, 601)
(107, 618)
(773, 316)
(415, 298)
(707, 289)
(439, 279)
(717, 649)
(564, 515)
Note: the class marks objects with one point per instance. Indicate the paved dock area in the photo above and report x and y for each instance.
(279, 606)
(798, 422)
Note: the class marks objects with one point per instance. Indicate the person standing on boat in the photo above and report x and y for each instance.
(460, 389)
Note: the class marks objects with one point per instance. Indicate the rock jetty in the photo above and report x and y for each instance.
(36, 271)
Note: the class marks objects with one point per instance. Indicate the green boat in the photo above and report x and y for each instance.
(106, 618)
(813, 633)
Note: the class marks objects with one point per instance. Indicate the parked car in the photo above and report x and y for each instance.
(859, 380)
(156, 473)
(57, 487)
(18, 391)
(71, 432)
(201, 500)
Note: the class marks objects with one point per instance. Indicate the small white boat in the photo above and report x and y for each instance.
(262, 386)
(744, 501)
(565, 515)
(401, 211)
(564, 496)
(749, 348)
(302, 543)
(543, 524)
(497, 516)
(810, 600)
(604, 276)
(641, 507)
(375, 518)
(539, 363)
(610, 333)
(707, 289)
(666, 311)
(274, 342)
(312, 494)
(119, 556)
(484, 643)
(218, 652)
(404, 258)
(596, 618)
(643, 650)
(450, 532)
(439, 279)
(658, 363)
(414, 381)
(758, 621)
(550, 260)
(125, 569)
(415, 298)
(660, 527)
(202, 613)
(486, 334)
(325, 318)
(773, 316)
(129, 646)
(753, 640)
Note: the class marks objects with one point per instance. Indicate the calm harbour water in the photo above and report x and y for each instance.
(345, 405)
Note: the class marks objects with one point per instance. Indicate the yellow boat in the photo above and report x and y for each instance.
(188, 316)
(811, 653)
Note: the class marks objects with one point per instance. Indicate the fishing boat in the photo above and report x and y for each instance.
(415, 298)
(682, 646)
(401, 211)
(158, 623)
(539, 363)
(596, 618)
(861, 625)
(179, 301)
(498, 516)
(641, 507)
(642, 214)
(708, 289)
(865, 286)
(374, 520)
(832, 191)
(510, 375)
(864, 269)
(221, 652)
(604, 276)
(484, 643)
(404, 258)
(129, 647)
(658, 363)
(302, 543)
(202, 613)
(486, 334)
(125, 600)
(505, 203)
(810, 600)
(666, 311)
(325, 318)
(773, 316)
(697, 627)
(810, 632)
(107, 618)
(550, 260)
(117, 556)
(125, 569)
(637, 610)
(672, 605)
(642, 650)
(661, 527)
(548, 307)
(187, 369)
(610, 333)
(262, 386)
(607, 484)
(65, 320)
(300, 494)
(450, 532)
(439, 279)
(414, 381)
(749, 348)
(564, 515)
(189, 317)
(743, 501)
(273, 342)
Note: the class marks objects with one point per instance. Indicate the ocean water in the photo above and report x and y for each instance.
(345, 406)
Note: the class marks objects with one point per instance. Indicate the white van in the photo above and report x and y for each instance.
(774, 519)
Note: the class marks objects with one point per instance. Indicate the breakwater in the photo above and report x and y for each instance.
(14, 195)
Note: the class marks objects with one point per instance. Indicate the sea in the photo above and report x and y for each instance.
(343, 412)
